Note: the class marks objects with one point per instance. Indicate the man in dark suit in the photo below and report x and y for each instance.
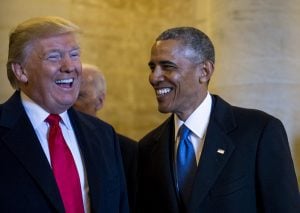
(91, 99)
(239, 159)
(45, 69)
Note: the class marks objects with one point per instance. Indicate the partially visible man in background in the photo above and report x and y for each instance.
(53, 158)
(92, 90)
(90, 100)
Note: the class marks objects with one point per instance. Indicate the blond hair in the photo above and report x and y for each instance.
(22, 37)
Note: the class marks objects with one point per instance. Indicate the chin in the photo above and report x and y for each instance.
(163, 110)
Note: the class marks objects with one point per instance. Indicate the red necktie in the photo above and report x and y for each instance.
(64, 168)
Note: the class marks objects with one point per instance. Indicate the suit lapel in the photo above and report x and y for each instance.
(216, 151)
(94, 172)
(100, 178)
(23, 143)
(164, 160)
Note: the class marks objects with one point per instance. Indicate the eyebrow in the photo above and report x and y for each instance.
(63, 50)
(54, 50)
(167, 62)
(161, 62)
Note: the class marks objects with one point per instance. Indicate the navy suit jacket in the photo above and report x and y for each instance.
(129, 150)
(254, 174)
(27, 183)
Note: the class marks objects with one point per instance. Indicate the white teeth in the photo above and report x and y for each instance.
(163, 91)
(64, 81)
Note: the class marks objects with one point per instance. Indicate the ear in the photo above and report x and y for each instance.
(206, 71)
(19, 72)
(101, 101)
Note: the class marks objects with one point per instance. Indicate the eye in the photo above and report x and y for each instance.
(75, 54)
(169, 67)
(54, 57)
(151, 66)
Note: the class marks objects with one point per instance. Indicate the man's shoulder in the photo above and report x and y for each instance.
(88, 121)
(11, 110)
(126, 140)
(157, 132)
(224, 110)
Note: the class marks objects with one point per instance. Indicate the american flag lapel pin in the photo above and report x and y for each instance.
(221, 151)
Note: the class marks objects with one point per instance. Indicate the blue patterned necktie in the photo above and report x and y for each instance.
(186, 164)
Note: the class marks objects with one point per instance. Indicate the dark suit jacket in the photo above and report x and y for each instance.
(129, 150)
(255, 174)
(27, 183)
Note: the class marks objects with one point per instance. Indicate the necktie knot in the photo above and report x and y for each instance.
(53, 119)
(184, 132)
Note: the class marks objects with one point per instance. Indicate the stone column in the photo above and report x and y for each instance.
(257, 59)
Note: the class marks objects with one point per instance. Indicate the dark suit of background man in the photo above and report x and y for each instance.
(91, 99)
(243, 158)
(45, 69)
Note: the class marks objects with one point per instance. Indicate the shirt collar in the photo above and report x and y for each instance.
(37, 114)
(197, 122)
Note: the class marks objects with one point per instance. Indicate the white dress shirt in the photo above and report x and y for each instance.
(197, 122)
(37, 117)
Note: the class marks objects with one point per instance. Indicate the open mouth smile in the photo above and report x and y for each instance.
(162, 92)
(65, 83)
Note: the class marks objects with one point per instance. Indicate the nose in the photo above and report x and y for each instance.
(156, 76)
(67, 64)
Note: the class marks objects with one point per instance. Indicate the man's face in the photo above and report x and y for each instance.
(52, 72)
(175, 79)
(90, 99)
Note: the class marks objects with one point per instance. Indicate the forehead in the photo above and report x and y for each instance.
(62, 41)
(166, 47)
(170, 50)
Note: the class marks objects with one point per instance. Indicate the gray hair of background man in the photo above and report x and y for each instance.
(92, 90)
(22, 38)
(199, 46)
(93, 75)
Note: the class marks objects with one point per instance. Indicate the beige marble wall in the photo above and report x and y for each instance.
(257, 54)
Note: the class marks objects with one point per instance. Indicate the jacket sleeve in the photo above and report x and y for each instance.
(124, 206)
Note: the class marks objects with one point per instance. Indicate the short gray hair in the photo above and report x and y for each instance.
(192, 39)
